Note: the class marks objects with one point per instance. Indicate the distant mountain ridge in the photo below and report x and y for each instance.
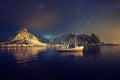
(82, 39)
(24, 38)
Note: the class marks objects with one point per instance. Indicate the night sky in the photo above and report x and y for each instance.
(58, 17)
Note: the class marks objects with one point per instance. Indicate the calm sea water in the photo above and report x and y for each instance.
(39, 63)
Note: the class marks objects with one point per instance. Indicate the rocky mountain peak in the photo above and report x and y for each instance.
(23, 30)
(24, 34)
(94, 38)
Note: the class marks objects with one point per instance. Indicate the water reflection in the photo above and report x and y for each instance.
(76, 54)
(94, 51)
(25, 54)
(51, 63)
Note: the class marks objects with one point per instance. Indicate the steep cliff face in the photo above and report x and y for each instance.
(25, 37)
(94, 38)
(24, 34)
(82, 39)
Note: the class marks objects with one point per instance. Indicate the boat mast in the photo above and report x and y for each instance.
(75, 39)
(76, 43)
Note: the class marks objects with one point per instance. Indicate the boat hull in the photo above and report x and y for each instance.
(78, 49)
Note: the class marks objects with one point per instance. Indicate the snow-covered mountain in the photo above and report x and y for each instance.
(25, 37)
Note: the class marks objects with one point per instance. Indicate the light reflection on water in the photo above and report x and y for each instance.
(25, 54)
(76, 54)
(94, 62)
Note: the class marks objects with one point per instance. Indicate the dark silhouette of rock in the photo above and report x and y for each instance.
(82, 39)
(93, 51)
(94, 38)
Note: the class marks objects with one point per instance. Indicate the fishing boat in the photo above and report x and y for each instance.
(76, 49)
(70, 48)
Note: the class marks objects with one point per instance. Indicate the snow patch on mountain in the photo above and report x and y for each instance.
(25, 37)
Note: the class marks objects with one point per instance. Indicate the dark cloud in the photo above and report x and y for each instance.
(62, 16)
(35, 13)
